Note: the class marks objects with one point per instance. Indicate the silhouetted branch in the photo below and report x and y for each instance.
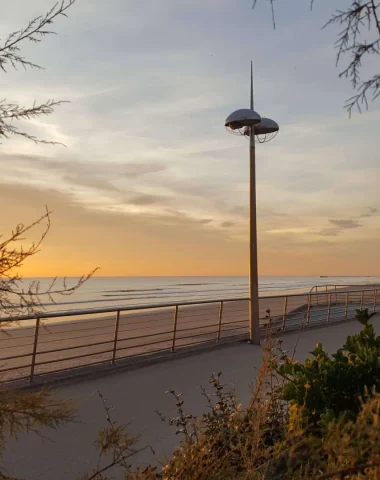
(116, 443)
(351, 42)
(14, 298)
(10, 112)
(34, 31)
(10, 55)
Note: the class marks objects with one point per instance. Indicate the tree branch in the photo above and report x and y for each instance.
(36, 27)
(349, 42)
(14, 299)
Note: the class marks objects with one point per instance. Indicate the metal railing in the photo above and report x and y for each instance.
(41, 344)
(326, 288)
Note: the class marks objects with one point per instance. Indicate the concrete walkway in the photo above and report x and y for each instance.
(136, 394)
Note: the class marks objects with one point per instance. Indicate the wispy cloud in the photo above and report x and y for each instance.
(339, 226)
(345, 224)
(145, 200)
(370, 213)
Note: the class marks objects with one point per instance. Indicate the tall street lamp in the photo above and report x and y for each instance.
(250, 124)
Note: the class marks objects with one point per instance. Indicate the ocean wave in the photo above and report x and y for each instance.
(136, 290)
(193, 284)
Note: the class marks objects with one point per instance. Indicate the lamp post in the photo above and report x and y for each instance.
(248, 123)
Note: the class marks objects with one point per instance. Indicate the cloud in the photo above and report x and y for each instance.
(371, 212)
(128, 188)
(134, 170)
(146, 199)
(285, 230)
(227, 224)
(329, 232)
(339, 226)
(239, 211)
(345, 224)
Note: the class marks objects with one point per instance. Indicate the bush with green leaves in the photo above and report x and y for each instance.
(326, 387)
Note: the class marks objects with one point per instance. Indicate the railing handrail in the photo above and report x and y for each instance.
(373, 285)
(95, 311)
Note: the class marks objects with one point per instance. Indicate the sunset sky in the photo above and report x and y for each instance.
(150, 182)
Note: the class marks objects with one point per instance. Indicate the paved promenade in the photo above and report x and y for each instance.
(135, 394)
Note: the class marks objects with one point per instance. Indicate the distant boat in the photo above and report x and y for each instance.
(323, 276)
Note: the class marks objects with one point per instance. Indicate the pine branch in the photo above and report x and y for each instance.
(34, 31)
(116, 441)
(28, 412)
(9, 112)
(352, 20)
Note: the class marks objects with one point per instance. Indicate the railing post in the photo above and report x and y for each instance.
(34, 353)
(336, 297)
(316, 291)
(220, 321)
(285, 311)
(308, 309)
(346, 307)
(329, 307)
(361, 300)
(116, 334)
(374, 300)
(174, 327)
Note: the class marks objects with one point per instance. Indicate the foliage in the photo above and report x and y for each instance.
(363, 317)
(348, 449)
(116, 446)
(324, 387)
(29, 412)
(228, 440)
(352, 43)
(10, 56)
(294, 427)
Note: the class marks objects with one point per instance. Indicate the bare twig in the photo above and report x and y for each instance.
(348, 471)
(272, 10)
(14, 298)
(116, 441)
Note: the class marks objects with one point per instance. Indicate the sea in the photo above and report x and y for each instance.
(102, 292)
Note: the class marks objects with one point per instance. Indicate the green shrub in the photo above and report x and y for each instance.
(324, 387)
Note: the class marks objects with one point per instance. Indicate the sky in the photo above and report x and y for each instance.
(150, 182)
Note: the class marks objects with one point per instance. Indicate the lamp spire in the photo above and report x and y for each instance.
(251, 86)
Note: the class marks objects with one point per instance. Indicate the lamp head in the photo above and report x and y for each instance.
(245, 117)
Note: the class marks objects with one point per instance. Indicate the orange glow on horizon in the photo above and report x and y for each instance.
(81, 240)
